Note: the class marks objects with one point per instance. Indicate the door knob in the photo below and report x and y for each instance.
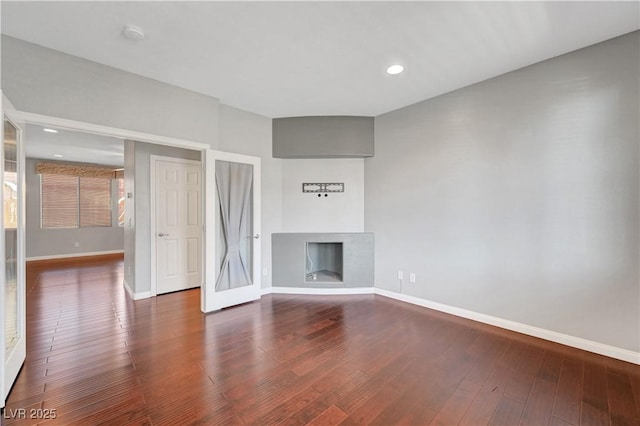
(257, 236)
(162, 234)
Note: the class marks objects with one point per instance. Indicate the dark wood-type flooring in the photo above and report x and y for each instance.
(97, 357)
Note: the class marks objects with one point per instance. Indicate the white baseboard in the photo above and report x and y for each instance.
(319, 291)
(565, 339)
(66, 256)
(132, 294)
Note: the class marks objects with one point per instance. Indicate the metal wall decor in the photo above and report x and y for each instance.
(323, 187)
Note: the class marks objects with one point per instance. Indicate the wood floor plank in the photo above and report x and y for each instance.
(595, 405)
(508, 412)
(331, 416)
(539, 403)
(621, 402)
(281, 412)
(309, 412)
(98, 357)
(487, 350)
(634, 379)
(486, 401)
(456, 406)
(404, 409)
(551, 366)
(558, 422)
(568, 397)
(370, 408)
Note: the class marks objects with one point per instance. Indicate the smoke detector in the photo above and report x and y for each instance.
(133, 32)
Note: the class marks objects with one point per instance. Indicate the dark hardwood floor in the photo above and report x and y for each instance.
(97, 357)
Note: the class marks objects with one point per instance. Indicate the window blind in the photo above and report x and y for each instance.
(59, 201)
(72, 202)
(95, 202)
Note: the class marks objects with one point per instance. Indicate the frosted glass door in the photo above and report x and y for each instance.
(10, 217)
(232, 230)
(13, 275)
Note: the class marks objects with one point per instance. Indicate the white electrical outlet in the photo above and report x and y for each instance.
(412, 277)
(400, 275)
(76, 244)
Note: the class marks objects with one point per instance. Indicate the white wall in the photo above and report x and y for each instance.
(518, 197)
(338, 212)
(129, 213)
(246, 133)
(61, 242)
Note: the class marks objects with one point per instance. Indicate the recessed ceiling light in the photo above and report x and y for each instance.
(50, 130)
(57, 155)
(395, 69)
(133, 32)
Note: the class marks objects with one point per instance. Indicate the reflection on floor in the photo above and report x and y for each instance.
(11, 318)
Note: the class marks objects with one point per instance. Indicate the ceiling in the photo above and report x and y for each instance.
(74, 146)
(283, 59)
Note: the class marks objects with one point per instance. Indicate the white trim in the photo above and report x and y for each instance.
(132, 294)
(64, 123)
(319, 291)
(70, 255)
(13, 360)
(564, 339)
(153, 159)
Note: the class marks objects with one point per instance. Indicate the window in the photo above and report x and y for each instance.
(72, 202)
(120, 201)
(10, 189)
(10, 199)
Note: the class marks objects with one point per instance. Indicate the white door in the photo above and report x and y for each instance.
(232, 230)
(12, 277)
(178, 224)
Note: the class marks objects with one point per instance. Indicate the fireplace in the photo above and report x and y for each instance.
(324, 262)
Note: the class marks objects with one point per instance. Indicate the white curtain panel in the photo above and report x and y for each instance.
(234, 182)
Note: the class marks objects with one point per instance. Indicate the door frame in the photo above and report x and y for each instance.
(18, 353)
(207, 297)
(153, 159)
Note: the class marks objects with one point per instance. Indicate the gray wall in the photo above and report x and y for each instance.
(45, 81)
(290, 259)
(323, 137)
(57, 242)
(518, 197)
(246, 133)
(142, 202)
